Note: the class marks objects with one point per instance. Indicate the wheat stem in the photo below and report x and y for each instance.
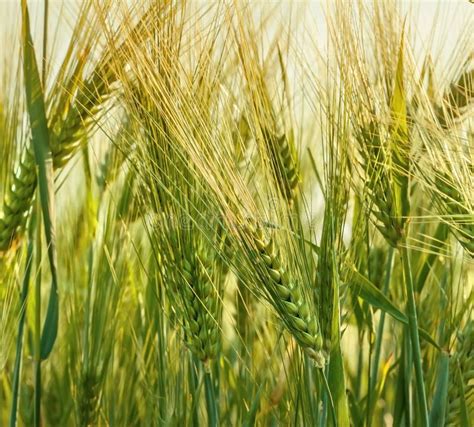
(211, 403)
(413, 330)
(21, 324)
(379, 336)
(37, 323)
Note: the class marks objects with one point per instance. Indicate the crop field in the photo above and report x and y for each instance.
(236, 213)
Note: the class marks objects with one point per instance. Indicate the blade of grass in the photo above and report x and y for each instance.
(44, 162)
(370, 293)
(211, 403)
(414, 336)
(37, 325)
(438, 407)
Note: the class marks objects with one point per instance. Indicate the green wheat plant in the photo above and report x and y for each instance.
(236, 213)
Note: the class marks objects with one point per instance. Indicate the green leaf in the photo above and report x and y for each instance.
(438, 408)
(370, 293)
(374, 296)
(44, 163)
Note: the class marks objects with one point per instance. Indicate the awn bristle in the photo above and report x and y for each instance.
(456, 210)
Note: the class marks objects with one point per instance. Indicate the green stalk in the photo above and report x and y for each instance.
(327, 400)
(379, 337)
(309, 384)
(413, 330)
(37, 336)
(45, 43)
(211, 404)
(193, 388)
(21, 323)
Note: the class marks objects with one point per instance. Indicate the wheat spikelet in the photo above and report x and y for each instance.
(68, 134)
(17, 200)
(191, 269)
(377, 183)
(284, 166)
(287, 297)
(201, 308)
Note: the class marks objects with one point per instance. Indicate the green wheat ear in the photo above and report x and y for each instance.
(287, 296)
(200, 305)
(66, 137)
(377, 184)
(284, 164)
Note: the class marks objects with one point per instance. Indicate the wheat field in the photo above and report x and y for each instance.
(236, 212)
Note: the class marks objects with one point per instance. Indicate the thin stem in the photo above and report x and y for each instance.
(37, 335)
(413, 330)
(211, 404)
(308, 376)
(45, 43)
(327, 398)
(408, 356)
(193, 386)
(379, 335)
(21, 324)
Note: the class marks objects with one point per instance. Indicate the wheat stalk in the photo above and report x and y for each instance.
(461, 386)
